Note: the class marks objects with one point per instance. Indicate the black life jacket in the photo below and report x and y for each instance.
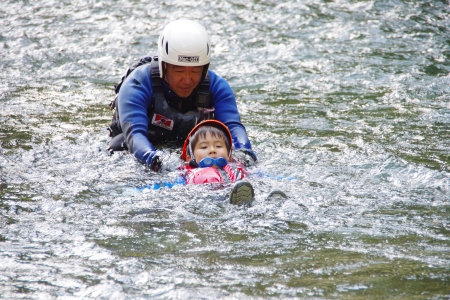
(169, 119)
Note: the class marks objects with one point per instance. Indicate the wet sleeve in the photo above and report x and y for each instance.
(134, 99)
(226, 110)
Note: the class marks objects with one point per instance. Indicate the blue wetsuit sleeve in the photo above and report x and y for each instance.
(134, 99)
(226, 110)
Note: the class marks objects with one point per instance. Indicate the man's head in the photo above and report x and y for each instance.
(184, 54)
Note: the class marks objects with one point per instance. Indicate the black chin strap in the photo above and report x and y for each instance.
(193, 163)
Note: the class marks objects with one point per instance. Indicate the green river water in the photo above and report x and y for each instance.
(347, 105)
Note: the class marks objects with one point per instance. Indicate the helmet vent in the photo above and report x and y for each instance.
(167, 48)
(207, 49)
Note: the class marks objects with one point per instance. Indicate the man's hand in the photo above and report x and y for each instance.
(245, 156)
(154, 161)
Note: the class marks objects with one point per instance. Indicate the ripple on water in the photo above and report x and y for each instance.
(345, 104)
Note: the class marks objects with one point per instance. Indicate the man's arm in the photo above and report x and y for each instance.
(134, 99)
(226, 111)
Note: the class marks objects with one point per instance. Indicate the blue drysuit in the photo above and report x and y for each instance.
(135, 99)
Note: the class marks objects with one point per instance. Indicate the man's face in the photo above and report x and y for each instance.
(183, 80)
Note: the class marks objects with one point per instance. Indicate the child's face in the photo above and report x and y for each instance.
(210, 146)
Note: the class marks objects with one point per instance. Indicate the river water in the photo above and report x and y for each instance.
(347, 106)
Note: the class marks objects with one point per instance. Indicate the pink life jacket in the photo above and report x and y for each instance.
(233, 171)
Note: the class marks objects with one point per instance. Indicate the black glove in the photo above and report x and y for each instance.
(245, 156)
(154, 161)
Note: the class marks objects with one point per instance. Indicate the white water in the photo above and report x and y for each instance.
(347, 101)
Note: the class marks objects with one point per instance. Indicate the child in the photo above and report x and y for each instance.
(207, 155)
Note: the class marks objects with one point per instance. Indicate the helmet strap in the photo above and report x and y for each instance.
(164, 66)
(205, 71)
(193, 163)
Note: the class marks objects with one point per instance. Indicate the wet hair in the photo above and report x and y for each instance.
(201, 133)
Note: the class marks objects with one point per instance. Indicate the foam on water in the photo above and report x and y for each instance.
(346, 106)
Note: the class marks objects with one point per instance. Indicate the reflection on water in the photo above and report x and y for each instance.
(346, 104)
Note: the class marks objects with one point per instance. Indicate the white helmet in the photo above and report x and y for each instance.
(184, 43)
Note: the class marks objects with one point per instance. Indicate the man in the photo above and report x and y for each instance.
(161, 101)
